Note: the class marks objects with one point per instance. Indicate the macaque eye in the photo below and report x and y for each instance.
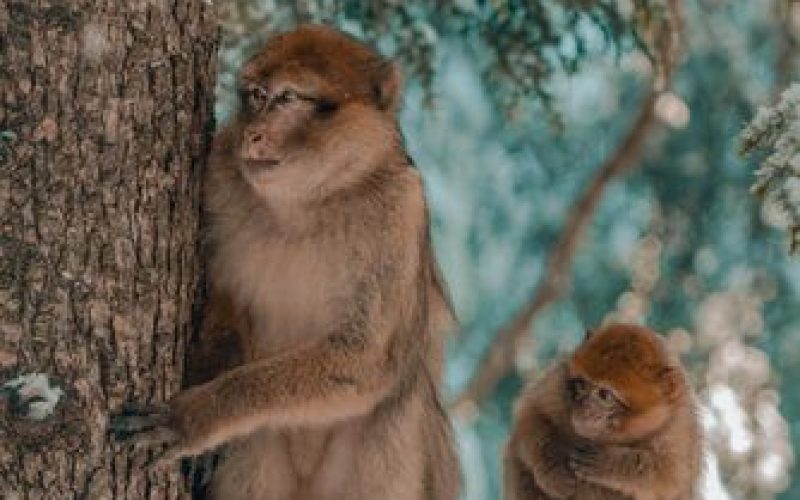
(256, 97)
(325, 106)
(284, 97)
(576, 386)
(607, 396)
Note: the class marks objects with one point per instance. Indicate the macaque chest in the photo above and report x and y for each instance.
(293, 292)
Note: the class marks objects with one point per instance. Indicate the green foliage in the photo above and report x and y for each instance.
(777, 130)
(524, 43)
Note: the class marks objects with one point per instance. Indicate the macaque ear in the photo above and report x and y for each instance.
(388, 86)
(670, 381)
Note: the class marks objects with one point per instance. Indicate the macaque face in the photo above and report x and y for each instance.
(279, 120)
(598, 411)
(620, 385)
(317, 112)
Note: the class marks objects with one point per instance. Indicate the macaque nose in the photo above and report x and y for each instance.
(257, 146)
(254, 138)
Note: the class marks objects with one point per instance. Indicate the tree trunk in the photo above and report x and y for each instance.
(105, 108)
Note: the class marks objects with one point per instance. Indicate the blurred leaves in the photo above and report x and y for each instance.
(527, 42)
(776, 130)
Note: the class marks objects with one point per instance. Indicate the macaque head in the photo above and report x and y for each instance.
(622, 384)
(317, 113)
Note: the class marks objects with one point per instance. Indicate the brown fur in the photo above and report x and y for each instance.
(320, 351)
(566, 443)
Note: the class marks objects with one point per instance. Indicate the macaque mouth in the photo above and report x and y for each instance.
(261, 165)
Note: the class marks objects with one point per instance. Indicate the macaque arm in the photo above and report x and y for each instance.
(346, 374)
(543, 451)
(217, 347)
(331, 381)
(628, 469)
(518, 481)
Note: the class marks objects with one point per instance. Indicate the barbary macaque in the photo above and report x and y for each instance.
(615, 420)
(321, 348)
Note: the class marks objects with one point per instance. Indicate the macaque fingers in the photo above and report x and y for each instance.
(146, 427)
(584, 458)
(138, 420)
(165, 459)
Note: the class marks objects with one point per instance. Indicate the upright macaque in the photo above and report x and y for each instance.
(321, 348)
(616, 420)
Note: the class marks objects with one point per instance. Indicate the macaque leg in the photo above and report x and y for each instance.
(544, 453)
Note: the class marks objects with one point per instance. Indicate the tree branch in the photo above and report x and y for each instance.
(499, 360)
(788, 42)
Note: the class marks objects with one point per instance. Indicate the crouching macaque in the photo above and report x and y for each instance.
(320, 354)
(616, 420)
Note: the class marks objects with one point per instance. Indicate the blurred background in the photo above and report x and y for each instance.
(588, 160)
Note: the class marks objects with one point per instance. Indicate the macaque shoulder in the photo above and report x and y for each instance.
(416, 207)
(545, 396)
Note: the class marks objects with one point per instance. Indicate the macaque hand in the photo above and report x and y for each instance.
(557, 479)
(157, 426)
(585, 460)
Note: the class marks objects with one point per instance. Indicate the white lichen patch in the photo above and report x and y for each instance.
(35, 393)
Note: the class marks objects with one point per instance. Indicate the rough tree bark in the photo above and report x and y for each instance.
(105, 109)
